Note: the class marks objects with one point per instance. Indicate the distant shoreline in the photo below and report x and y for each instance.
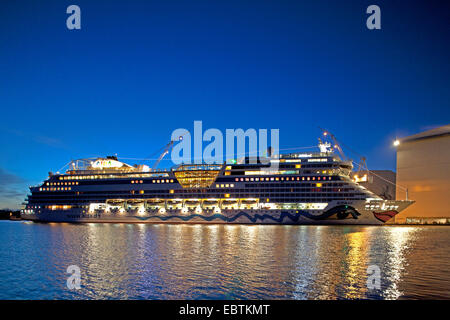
(10, 215)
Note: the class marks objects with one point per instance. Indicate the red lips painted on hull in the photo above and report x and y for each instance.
(384, 216)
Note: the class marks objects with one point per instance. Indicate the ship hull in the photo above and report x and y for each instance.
(359, 212)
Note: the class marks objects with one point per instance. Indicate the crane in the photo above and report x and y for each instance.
(166, 150)
(362, 169)
(335, 142)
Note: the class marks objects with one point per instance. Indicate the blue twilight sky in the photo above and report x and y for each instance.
(137, 70)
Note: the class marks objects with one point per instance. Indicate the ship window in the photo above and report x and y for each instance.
(196, 178)
(141, 191)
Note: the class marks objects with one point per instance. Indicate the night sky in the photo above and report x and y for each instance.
(137, 70)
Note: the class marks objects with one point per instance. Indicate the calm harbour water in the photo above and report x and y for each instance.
(138, 261)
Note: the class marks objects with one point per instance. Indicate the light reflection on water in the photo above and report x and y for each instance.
(142, 261)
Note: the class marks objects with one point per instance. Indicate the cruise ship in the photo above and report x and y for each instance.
(305, 188)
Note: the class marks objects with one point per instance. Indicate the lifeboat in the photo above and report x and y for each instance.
(192, 203)
(135, 203)
(210, 203)
(174, 204)
(249, 201)
(115, 202)
(230, 204)
(155, 203)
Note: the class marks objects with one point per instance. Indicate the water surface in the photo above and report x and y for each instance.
(161, 261)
